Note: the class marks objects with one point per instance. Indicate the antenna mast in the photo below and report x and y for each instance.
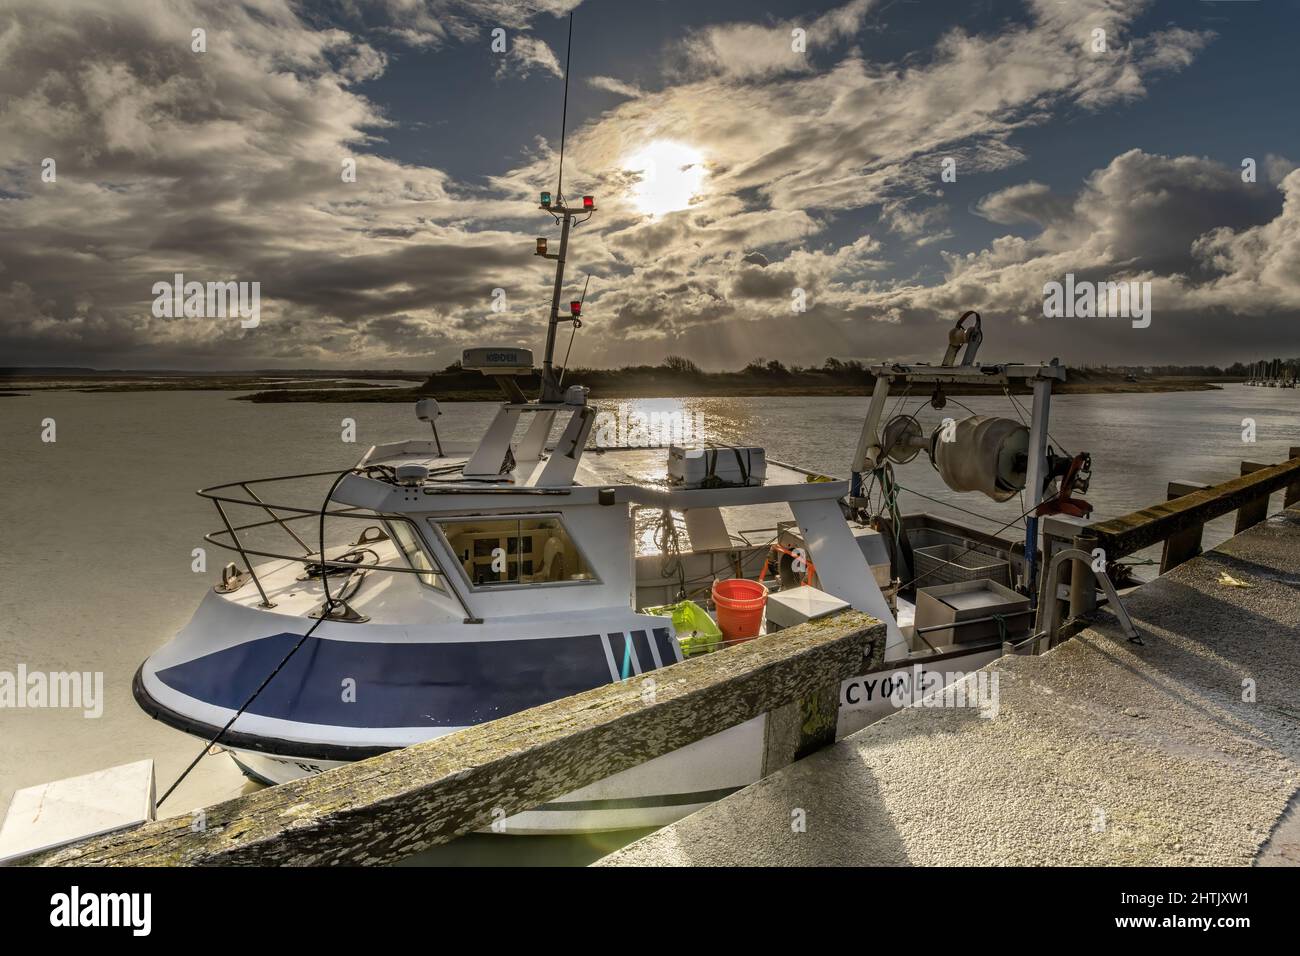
(564, 113)
(564, 216)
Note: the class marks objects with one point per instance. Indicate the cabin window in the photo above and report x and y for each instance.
(407, 540)
(523, 550)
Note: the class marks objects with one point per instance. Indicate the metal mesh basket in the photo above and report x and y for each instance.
(946, 564)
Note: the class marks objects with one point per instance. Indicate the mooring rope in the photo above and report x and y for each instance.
(326, 610)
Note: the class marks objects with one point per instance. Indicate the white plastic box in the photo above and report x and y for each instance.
(797, 605)
(716, 466)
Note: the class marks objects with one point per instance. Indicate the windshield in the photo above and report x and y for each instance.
(407, 540)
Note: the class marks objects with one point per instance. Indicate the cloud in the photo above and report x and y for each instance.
(1030, 202)
(1211, 245)
(433, 23)
(1142, 211)
(790, 148)
(752, 50)
(921, 225)
(1258, 267)
(611, 85)
(524, 54)
(858, 133)
(219, 165)
(227, 165)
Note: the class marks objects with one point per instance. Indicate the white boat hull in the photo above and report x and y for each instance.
(868, 698)
(668, 788)
(653, 794)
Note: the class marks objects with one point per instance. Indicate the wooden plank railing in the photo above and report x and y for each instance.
(1179, 520)
(386, 808)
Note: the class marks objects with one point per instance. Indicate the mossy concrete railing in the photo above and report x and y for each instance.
(1182, 516)
(384, 809)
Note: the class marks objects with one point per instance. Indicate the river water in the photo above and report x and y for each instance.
(99, 525)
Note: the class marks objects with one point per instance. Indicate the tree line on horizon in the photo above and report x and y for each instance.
(678, 366)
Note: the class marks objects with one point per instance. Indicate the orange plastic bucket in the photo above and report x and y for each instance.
(740, 605)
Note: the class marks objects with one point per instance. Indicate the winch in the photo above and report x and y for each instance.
(995, 456)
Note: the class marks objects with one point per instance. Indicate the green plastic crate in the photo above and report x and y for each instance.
(697, 633)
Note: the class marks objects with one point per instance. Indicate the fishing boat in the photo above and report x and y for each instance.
(431, 587)
(435, 587)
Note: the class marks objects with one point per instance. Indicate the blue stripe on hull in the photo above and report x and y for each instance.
(669, 650)
(401, 685)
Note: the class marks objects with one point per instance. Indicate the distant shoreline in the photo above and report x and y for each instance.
(491, 394)
(458, 386)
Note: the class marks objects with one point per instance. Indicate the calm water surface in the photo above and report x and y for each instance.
(99, 527)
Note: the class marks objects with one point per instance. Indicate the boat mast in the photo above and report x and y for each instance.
(550, 387)
(564, 216)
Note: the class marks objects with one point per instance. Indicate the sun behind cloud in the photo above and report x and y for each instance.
(672, 174)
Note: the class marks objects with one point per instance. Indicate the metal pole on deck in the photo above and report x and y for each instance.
(864, 457)
(1035, 473)
(550, 387)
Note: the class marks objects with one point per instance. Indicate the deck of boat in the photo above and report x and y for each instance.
(598, 466)
(747, 523)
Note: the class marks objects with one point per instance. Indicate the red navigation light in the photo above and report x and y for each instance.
(588, 202)
(541, 245)
(575, 307)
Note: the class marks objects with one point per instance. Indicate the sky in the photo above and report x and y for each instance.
(776, 180)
